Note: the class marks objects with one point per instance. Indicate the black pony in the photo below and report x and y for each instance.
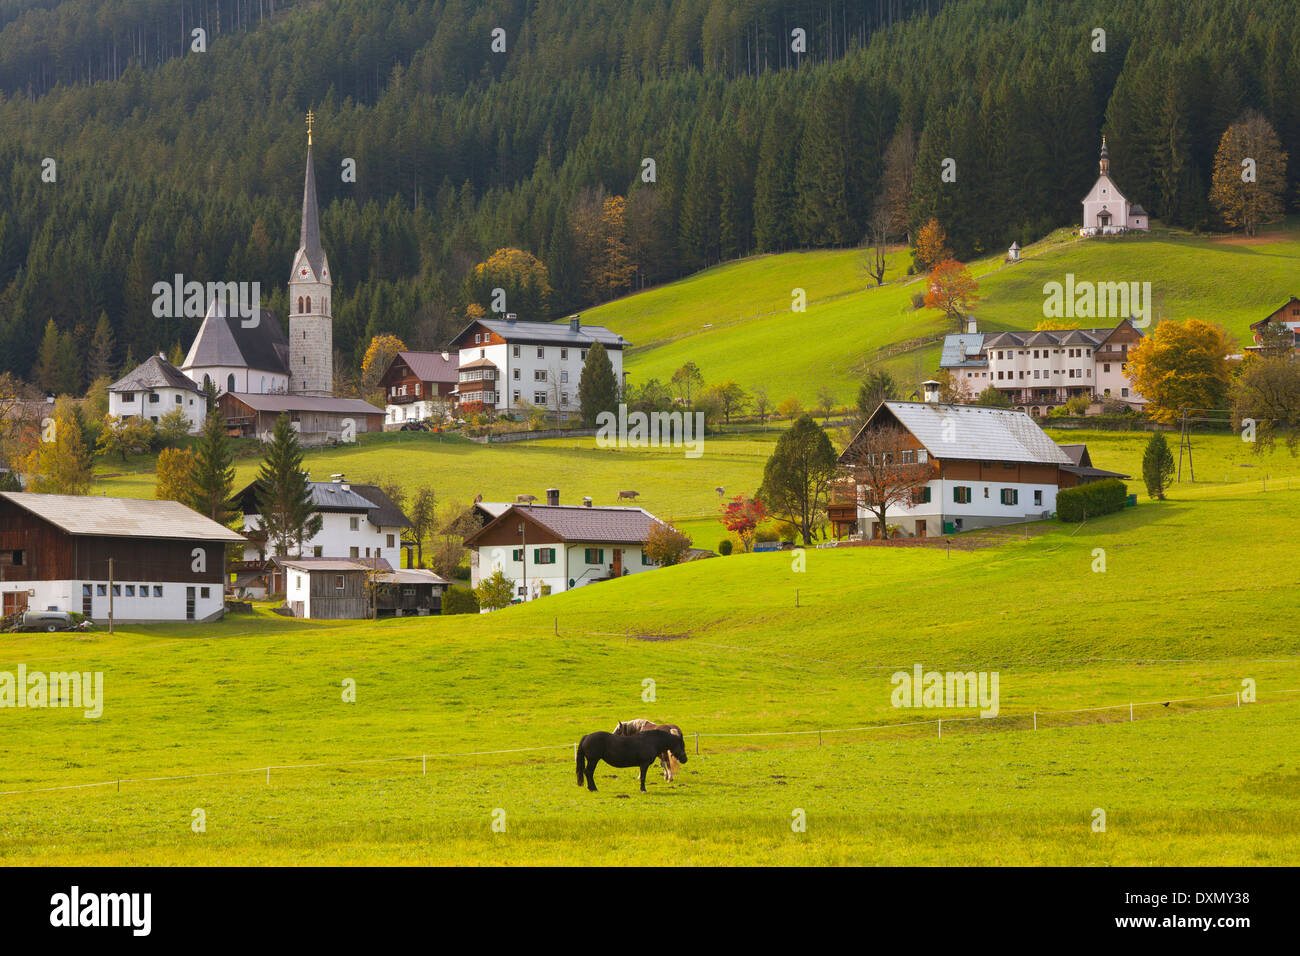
(639, 750)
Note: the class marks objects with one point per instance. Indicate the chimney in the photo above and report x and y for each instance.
(574, 324)
(552, 496)
(446, 356)
(970, 324)
(931, 391)
(586, 502)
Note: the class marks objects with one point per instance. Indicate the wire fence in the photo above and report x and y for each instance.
(1034, 720)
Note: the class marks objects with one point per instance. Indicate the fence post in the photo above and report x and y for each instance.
(697, 743)
(819, 738)
(1238, 698)
(940, 728)
(268, 776)
(1130, 711)
(424, 764)
(1035, 720)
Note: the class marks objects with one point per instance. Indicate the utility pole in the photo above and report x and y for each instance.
(110, 595)
(1185, 441)
(523, 555)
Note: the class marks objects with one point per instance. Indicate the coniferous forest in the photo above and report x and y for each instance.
(167, 160)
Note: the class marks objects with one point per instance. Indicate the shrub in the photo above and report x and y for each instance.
(724, 547)
(1091, 500)
(665, 545)
(459, 601)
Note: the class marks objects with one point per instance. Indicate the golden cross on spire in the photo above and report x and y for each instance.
(310, 116)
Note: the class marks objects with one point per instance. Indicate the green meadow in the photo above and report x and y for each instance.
(1183, 613)
(735, 321)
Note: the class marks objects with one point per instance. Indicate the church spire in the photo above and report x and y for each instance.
(309, 235)
(1104, 165)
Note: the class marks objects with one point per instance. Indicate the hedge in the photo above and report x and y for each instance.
(1098, 498)
(459, 601)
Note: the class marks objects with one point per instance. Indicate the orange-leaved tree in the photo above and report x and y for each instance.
(951, 290)
(931, 245)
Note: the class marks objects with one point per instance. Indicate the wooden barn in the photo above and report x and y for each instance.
(136, 559)
(317, 420)
(327, 589)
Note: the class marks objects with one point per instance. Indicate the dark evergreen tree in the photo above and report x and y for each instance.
(283, 494)
(598, 389)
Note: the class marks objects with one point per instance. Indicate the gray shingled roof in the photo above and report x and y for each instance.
(122, 517)
(154, 372)
(410, 576)
(386, 513)
(1050, 337)
(334, 564)
(975, 433)
(578, 523)
(549, 333)
(309, 233)
(223, 340)
(962, 350)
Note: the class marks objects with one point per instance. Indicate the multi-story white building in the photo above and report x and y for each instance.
(154, 388)
(546, 549)
(506, 364)
(357, 521)
(1039, 370)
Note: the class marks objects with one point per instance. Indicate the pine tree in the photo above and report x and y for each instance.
(283, 493)
(597, 388)
(774, 192)
(1157, 465)
(212, 478)
(102, 345)
(46, 372)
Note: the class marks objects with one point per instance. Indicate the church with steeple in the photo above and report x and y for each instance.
(1105, 210)
(258, 372)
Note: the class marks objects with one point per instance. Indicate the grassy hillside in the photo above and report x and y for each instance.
(735, 321)
(733, 654)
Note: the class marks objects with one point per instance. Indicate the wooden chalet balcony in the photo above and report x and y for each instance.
(405, 399)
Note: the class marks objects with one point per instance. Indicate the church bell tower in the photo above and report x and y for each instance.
(311, 328)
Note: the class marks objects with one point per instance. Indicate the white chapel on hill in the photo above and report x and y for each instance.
(1105, 210)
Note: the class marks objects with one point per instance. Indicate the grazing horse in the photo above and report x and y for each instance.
(667, 762)
(639, 750)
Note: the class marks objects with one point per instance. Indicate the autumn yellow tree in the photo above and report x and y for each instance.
(1249, 177)
(379, 355)
(60, 464)
(952, 290)
(175, 475)
(931, 245)
(1181, 365)
(511, 280)
(1053, 325)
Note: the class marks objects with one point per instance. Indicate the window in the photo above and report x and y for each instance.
(517, 554)
(908, 456)
(1010, 496)
(986, 492)
(1008, 464)
(564, 355)
(516, 374)
(1105, 367)
(543, 555)
(539, 398)
(354, 552)
(921, 456)
(514, 350)
(539, 375)
(317, 551)
(582, 354)
(921, 496)
(130, 590)
(354, 523)
(153, 398)
(541, 352)
(1038, 498)
(230, 382)
(128, 396)
(1123, 392)
(477, 338)
(117, 590)
(515, 395)
(564, 378)
(594, 555)
(645, 559)
(564, 398)
(338, 580)
(101, 590)
(144, 590)
(157, 590)
(961, 495)
(207, 592)
(1035, 373)
(390, 541)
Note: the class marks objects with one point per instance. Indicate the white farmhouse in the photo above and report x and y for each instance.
(154, 388)
(358, 522)
(546, 549)
(977, 467)
(505, 363)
